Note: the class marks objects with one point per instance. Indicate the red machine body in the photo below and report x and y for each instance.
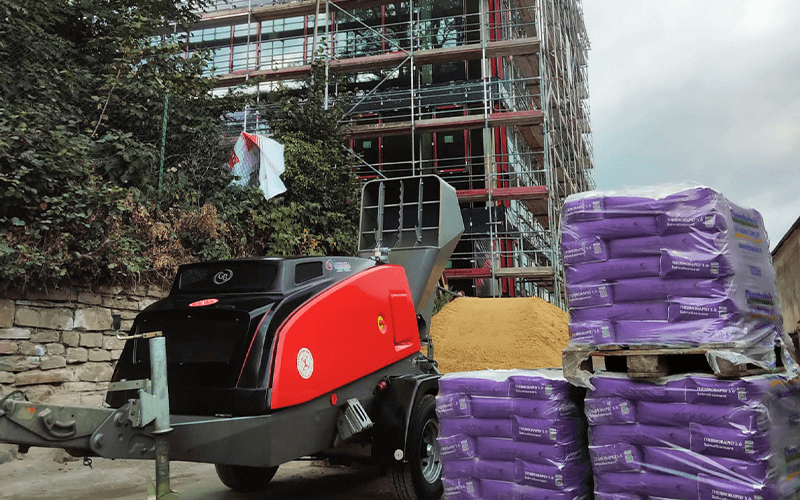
(358, 326)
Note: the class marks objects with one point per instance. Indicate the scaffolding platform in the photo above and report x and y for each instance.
(534, 198)
(389, 60)
(450, 123)
(492, 96)
(541, 275)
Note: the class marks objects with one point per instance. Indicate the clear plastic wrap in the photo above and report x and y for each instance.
(669, 265)
(695, 437)
(512, 434)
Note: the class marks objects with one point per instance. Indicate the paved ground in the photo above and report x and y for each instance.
(45, 474)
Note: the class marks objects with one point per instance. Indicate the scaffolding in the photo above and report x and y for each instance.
(489, 94)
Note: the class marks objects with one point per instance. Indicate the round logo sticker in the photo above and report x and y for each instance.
(382, 324)
(305, 363)
(223, 276)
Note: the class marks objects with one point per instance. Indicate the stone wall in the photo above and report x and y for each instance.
(58, 347)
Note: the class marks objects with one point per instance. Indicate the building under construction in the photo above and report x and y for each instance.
(491, 95)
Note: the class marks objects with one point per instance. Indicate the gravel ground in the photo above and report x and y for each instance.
(50, 473)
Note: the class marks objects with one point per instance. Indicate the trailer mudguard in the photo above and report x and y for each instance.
(392, 414)
(360, 325)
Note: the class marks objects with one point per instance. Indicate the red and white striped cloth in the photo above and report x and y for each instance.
(257, 160)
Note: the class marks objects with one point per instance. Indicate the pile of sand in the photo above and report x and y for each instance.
(475, 334)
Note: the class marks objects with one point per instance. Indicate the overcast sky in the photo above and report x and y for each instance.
(701, 90)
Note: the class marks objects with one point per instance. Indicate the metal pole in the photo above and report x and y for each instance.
(316, 26)
(163, 140)
(489, 167)
(158, 376)
(328, 58)
(411, 79)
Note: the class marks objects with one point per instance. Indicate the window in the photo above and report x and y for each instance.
(307, 271)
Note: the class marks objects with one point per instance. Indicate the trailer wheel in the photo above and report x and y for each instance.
(243, 478)
(421, 477)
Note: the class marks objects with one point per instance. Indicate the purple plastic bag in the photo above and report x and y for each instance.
(676, 414)
(588, 250)
(592, 332)
(485, 407)
(484, 427)
(501, 470)
(625, 206)
(499, 490)
(640, 390)
(684, 332)
(683, 199)
(682, 461)
(692, 308)
(617, 496)
(610, 411)
(638, 434)
(731, 443)
(548, 454)
(457, 447)
(550, 477)
(647, 483)
(709, 390)
(703, 219)
(614, 269)
(546, 431)
(653, 245)
(582, 210)
(641, 311)
(610, 228)
(713, 488)
(642, 289)
(536, 387)
(461, 489)
(615, 458)
(473, 385)
(692, 265)
(746, 218)
(589, 295)
(453, 406)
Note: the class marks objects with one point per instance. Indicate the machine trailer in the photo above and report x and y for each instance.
(252, 363)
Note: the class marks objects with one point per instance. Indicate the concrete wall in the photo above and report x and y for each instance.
(59, 347)
(787, 266)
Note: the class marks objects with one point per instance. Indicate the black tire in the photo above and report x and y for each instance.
(243, 478)
(421, 477)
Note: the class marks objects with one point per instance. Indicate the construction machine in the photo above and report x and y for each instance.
(252, 363)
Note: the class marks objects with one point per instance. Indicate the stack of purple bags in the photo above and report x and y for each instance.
(512, 434)
(694, 437)
(671, 267)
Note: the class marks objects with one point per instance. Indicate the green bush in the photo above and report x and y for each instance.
(82, 90)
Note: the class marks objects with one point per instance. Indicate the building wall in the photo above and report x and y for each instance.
(58, 347)
(787, 266)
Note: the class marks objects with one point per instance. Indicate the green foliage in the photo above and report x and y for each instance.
(82, 100)
(323, 194)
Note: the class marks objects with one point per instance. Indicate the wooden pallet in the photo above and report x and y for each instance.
(654, 361)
